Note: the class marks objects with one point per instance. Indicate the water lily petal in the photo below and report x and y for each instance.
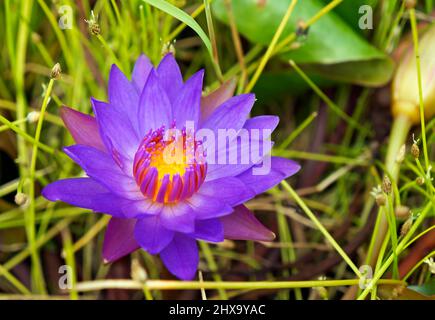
(141, 71)
(178, 217)
(123, 95)
(116, 130)
(181, 257)
(228, 190)
(186, 106)
(237, 157)
(83, 128)
(230, 115)
(155, 109)
(280, 169)
(84, 193)
(101, 167)
(209, 230)
(243, 225)
(170, 77)
(210, 102)
(207, 207)
(118, 239)
(152, 235)
(262, 123)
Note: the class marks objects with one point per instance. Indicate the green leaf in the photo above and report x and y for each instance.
(183, 17)
(427, 289)
(330, 41)
(349, 11)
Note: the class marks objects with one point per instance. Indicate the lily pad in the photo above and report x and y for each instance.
(329, 42)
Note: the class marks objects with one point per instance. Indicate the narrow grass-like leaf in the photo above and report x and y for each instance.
(183, 17)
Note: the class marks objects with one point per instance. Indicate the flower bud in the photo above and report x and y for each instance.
(33, 116)
(386, 185)
(405, 92)
(21, 198)
(56, 71)
(420, 181)
(415, 151)
(409, 4)
(402, 212)
(406, 227)
(381, 199)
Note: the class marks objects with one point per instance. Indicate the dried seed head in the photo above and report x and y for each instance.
(381, 199)
(302, 29)
(56, 71)
(21, 199)
(406, 227)
(402, 212)
(420, 181)
(401, 154)
(405, 90)
(93, 26)
(415, 150)
(386, 185)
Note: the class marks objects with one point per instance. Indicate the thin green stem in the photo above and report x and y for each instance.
(400, 247)
(295, 133)
(420, 86)
(213, 267)
(215, 57)
(321, 228)
(271, 47)
(328, 101)
(207, 285)
(38, 277)
(398, 135)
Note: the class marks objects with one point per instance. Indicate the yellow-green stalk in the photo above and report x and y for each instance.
(409, 98)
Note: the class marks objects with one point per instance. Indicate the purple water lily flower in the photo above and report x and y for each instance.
(163, 207)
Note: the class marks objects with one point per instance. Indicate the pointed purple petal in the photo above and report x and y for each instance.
(123, 96)
(119, 240)
(242, 150)
(181, 257)
(261, 123)
(232, 114)
(228, 190)
(83, 128)
(141, 71)
(116, 130)
(186, 106)
(151, 235)
(209, 230)
(84, 193)
(101, 167)
(178, 217)
(238, 156)
(210, 102)
(205, 207)
(280, 169)
(155, 109)
(141, 208)
(170, 76)
(242, 225)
